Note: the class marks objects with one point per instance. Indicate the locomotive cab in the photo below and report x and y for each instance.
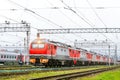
(38, 50)
(38, 46)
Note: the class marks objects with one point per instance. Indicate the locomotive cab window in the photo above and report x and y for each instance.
(41, 45)
(34, 45)
(37, 45)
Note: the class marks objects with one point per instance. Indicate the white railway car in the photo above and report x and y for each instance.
(10, 58)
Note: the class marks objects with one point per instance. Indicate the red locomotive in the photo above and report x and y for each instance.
(51, 53)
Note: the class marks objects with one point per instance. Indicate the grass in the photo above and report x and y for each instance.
(43, 74)
(15, 67)
(109, 75)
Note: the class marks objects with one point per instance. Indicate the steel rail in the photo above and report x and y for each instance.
(76, 74)
(10, 72)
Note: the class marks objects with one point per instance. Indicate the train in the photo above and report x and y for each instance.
(11, 58)
(52, 53)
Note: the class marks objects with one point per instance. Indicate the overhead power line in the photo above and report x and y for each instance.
(29, 10)
(96, 14)
(9, 18)
(56, 7)
(69, 19)
(98, 17)
(69, 8)
(21, 9)
(65, 15)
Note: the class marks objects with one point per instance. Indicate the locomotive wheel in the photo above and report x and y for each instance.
(57, 63)
(51, 63)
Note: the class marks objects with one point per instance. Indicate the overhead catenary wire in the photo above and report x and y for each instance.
(11, 42)
(35, 13)
(38, 14)
(98, 17)
(54, 7)
(69, 8)
(81, 17)
(65, 15)
(82, 13)
(9, 18)
(69, 19)
(29, 10)
(17, 22)
(96, 13)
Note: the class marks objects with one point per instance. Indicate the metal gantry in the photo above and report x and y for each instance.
(17, 27)
(14, 27)
(93, 43)
(79, 30)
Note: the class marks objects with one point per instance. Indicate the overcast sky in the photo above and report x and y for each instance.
(55, 13)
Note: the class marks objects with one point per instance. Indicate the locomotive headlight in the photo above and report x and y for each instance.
(43, 60)
(39, 42)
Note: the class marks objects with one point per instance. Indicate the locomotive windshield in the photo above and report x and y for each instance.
(37, 45)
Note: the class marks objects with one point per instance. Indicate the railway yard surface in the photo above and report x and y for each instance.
(32, 73)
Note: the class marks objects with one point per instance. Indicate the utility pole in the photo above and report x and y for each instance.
(115, 56)
(75, 43)
(28, 37)
(109, 54)
(25, 48)
(106, 55)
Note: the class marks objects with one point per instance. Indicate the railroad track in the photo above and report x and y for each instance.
(77, 74)
(29, 70)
